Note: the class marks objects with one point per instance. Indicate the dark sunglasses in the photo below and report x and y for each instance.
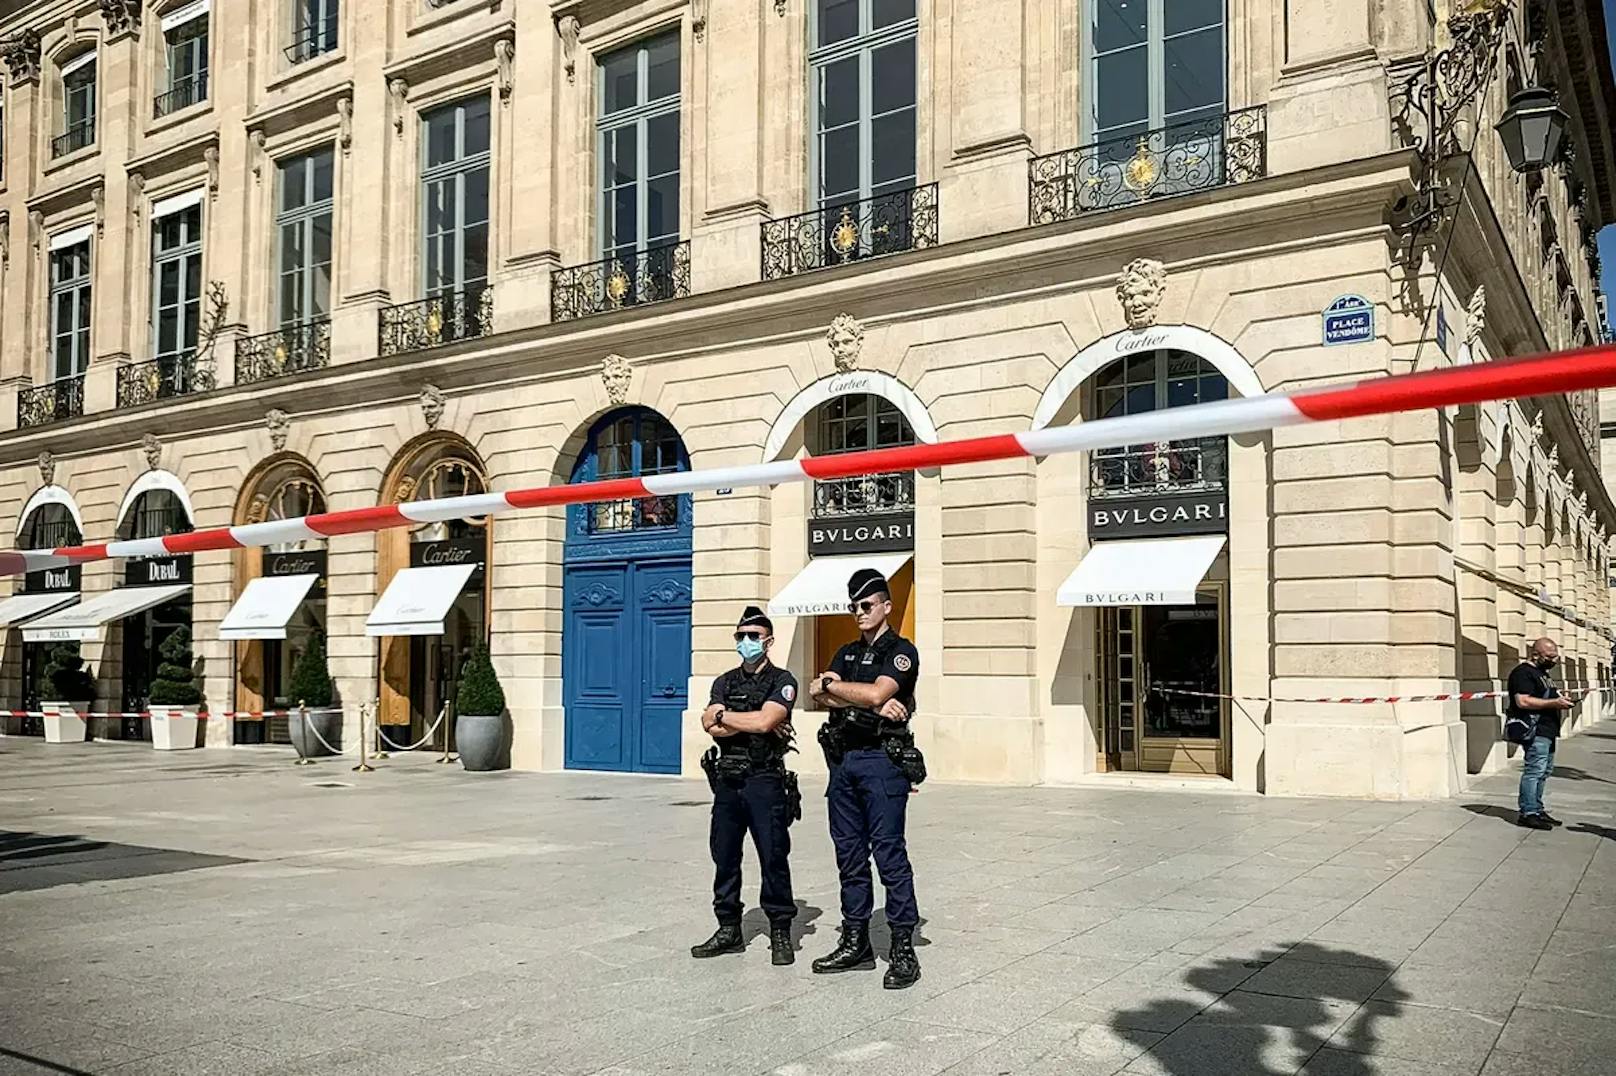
(759, 636)
(860, 608)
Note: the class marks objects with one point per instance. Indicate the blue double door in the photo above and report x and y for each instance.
(625, 646)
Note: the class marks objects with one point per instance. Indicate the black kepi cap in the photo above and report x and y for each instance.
(753, 617)
(864, 582)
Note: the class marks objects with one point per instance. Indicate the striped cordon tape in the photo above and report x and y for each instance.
(1358, 700)
(1571, 371)
(148, 713)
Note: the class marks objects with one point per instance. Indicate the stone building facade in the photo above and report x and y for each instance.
(263, 257)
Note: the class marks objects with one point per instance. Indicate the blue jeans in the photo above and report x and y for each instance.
(1539, 762)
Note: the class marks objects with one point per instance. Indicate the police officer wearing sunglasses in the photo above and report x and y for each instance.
(749, 716)
(870, 692)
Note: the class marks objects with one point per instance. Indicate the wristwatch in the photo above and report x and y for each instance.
(718, 719)
(824, 685)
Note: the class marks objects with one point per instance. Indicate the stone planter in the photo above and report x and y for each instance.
(65, 722)
(484, 741)
(301, 729)
(175, 728)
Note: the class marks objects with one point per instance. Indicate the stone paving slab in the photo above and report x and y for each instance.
(226, 912)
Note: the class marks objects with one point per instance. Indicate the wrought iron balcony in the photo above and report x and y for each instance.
(75, 138)
(648, 276)
(645, 513)
(291, 349)
(440, 319)
(51, 402)
(849, 232)
(163, 379)
(1120, 172)
(1188, 466)
(865, 495)
(313, 40)
(186, 93)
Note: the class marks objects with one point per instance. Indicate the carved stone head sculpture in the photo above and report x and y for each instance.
(1140, 289)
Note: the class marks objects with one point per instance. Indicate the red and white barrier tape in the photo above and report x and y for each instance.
(1452, 696)
(1571, 371)
(148, 713)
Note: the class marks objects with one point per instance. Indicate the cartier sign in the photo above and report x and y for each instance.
(63, 580)
(1205, 512)
(299, 562)
(447, 554)
(890, 532)
(157, 571)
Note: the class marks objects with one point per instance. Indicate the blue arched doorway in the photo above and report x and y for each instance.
(625, 645)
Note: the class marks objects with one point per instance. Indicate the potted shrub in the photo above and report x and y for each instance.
(311, 687)
(72, 689)
(481, 733)
(174, 697)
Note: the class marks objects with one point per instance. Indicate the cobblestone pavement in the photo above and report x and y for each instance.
(224, 911)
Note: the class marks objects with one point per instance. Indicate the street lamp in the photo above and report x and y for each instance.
(1532, 129)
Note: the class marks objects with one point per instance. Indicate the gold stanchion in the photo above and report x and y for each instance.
(443, 720)
(364, 765)
(303, 709)
(376, 726)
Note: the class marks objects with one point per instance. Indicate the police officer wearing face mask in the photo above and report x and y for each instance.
(870, 692)
(749, 716)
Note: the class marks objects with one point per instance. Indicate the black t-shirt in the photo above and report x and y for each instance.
(1529, 680)
(890, 655)
(746, 692)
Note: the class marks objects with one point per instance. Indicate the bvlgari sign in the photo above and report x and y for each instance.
(890, 532)
(1202, 512)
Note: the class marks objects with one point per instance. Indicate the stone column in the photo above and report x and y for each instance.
(366, 216)
(522, 295)
(979, 80)
(726, 151)
(1477, 594)
(1332, 90)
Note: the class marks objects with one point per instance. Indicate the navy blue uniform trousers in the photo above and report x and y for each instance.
(757, 805)
(868, 799)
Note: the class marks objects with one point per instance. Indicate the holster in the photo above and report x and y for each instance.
(709, 766)
(732, 769)
(906, 756)
(793, 798)
(830, 742)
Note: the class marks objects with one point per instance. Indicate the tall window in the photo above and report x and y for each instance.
(156, 514)
(454, 181)
(78, 105)
(185, 38)
(636, 444)
(863, 77)
(639, 147)
(314, 29)
(303, 224)
(177, 282)
(1151, 382)
(1154, 63)
(70, 310)
(857, 424)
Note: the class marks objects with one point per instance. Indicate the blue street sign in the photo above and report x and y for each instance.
(1349, 320)
(1442, 327)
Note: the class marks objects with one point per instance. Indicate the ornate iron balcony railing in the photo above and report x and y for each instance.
(75, 138)
(162, 379)
(1163, 467)
(865, 495)
(312, 40)
(648, 276)
(440, 319)
(1119, 172)
(290, 349)
(849, 232)
(51, 402)
(644, 513)
(191, 91)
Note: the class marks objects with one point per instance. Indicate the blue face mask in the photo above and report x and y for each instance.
(749, 649)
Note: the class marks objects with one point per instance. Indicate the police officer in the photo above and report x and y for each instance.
(870, 692)
(749, 715)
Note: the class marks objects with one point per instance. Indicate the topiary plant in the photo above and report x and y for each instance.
(176, 681)
(480, 693)
(311, 677)
(66, 675)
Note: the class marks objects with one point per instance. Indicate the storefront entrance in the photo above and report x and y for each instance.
(436, 662)
(1161, 668)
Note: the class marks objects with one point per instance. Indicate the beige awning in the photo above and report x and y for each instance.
(84, 621)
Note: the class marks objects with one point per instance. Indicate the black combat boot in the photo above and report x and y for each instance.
(780, 944)
(852, 953)
(726, 939)
(903, 967)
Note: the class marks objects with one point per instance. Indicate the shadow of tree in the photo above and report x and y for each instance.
(1288, 1004)
(1572, 773)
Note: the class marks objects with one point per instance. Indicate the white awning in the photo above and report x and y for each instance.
(1150, 571)
(417, 600)
(82, 60)
(821, 588)
(185, 14)
(85, 620)
(265, 606)
(72, 237)
(169, 206)
(20, 607)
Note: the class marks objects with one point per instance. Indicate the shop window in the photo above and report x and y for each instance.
(1154, 381)
(185, 50)
(635, 445)
(858, 423)
(70, 306)
(450, 476)
(51, 526)
(78, 105)
(303, 229)
(454, 181)
(638, 132)
(155, 513)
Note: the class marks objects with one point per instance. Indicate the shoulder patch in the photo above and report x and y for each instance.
(902, 663)
(789, 692)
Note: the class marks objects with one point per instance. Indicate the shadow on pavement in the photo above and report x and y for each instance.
(40, 860)
(1594, 828)
(1492, 810)
(40, 1064)
(1572, 773)
(1275, 1021)
(756, 922)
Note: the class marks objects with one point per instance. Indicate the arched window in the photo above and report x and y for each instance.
(635, 444)
(155, 513)
(449, 476)
(289, 494)
(51, 526)
(858, 423)
(1154, 381)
